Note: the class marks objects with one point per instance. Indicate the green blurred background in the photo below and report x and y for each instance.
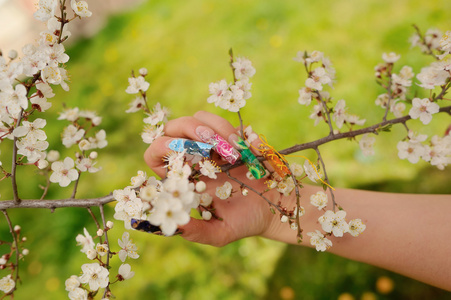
(184, 45)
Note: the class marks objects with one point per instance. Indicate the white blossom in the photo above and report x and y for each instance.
(318, 78)
(136, 85)
(78, 294)
(32, 149)
(128, 249)
(305, 96)
(169, 213)
(366, 144)
(209, 168)
(423, 109)
(318, 240)
(31, 130)
(334, 222)
(95, 275)
(125, 272)
(356, 227)
(410, 150)
(430, 77)
(64, 172)
(85, 241)
(311, 171)
(99, 140)
(319, 200)
(223, 192)
(46, 10)
(71, 135)
(339, 115)
(219, 92)
(102, 249)
(150, 133)
(391, 57)
(72, 283)
(80, 8)
(243, 68)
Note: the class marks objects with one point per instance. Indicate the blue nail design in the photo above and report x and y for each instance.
(192, 147)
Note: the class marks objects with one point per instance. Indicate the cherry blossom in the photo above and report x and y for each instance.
(423, 109)
(128, 249)
(64, 172)
(169, 213)
(125, 272)
(80, 8)
(95, 275)
(223, 192)
(334, 222)
(318, 240)
(356, 227)
(243, 68)
(319, 200)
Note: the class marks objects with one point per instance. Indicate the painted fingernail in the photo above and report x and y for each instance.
(204, 133)
(249, 159)
(191, 147)
(223, 148)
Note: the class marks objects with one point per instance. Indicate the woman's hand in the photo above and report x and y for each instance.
(242, 216)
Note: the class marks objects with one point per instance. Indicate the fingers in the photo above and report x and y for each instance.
(220, 125)
(194, 128)
(155, 153)
(214, 232)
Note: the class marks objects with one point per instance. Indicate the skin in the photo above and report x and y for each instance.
(405, 233)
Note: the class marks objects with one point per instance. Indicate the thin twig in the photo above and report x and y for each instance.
(14, 163)
(256, 192)
(74, 192)
(326, 178)
(326, 110)
(16, 243)
(105, 233)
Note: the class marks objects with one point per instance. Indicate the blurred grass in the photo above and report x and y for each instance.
(184, 46)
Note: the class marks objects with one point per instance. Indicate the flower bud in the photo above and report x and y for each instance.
(99, 232)
(24, 239)
(17, 229)
(93, 155)
(12, 54)
(3, 261)
(143, 72)
(284, 219)
(244, 192)
(53, 156)
(42, 164)
(25, 252)
(201, 186)
(109, 224)
(206, 215)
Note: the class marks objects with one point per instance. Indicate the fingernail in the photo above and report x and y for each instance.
(204, 133)
(249, 159)
(223, 148)
(191, 147)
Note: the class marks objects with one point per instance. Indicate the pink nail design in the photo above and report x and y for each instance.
(223, 148)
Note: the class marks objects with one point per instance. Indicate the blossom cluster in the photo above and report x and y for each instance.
(96, 275)
(156, 117)
(320, 73)
(233, 96)
(437, 75)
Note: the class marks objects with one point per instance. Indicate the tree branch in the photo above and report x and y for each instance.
(52, 204)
